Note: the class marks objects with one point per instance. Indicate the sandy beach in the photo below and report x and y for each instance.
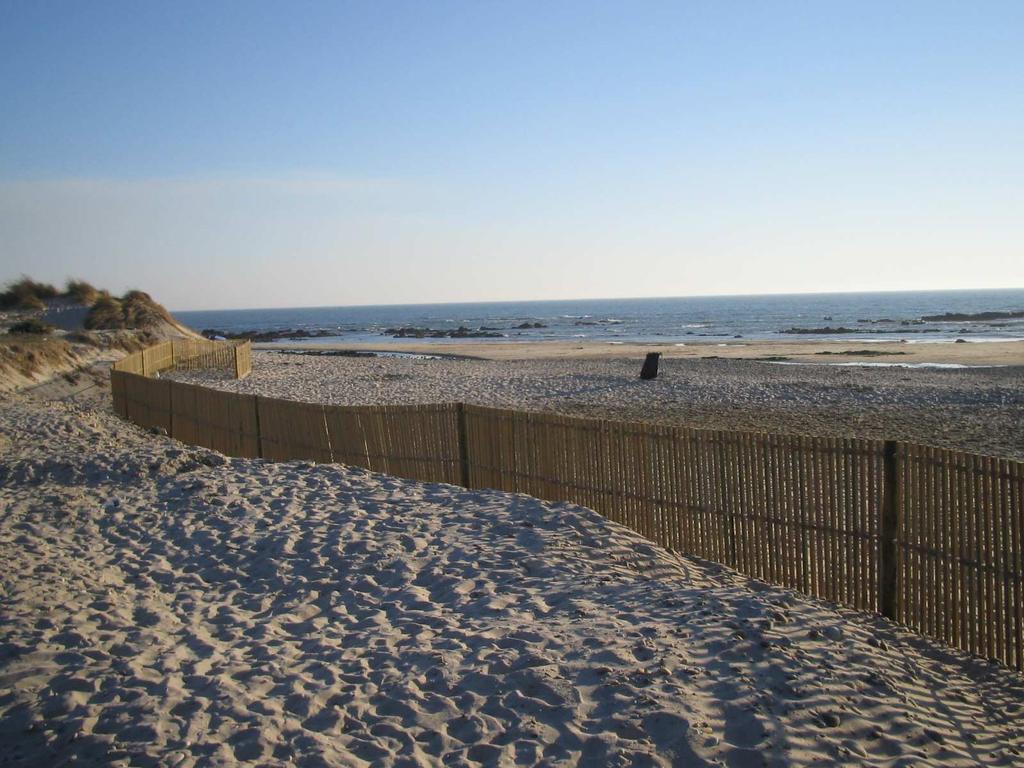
(977, 409)
(479, 385)
(163, 605)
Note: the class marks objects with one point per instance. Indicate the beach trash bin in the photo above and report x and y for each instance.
(650, 369)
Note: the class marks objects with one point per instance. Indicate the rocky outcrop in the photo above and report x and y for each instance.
(961, 316)
(462, 332)
(265, 336)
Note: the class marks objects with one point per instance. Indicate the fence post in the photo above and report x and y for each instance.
(888, 573)
(720, 449)
(259, 430)
(460, 413)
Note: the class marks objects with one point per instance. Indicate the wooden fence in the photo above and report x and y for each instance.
(930, 538)
(234, 357)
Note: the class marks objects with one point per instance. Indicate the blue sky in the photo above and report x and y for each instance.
(258, 154)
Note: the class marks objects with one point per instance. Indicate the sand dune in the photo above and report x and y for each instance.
(163, 605)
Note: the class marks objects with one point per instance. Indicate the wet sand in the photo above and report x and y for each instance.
(807, 351)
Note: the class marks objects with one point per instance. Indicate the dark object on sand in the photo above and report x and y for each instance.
(32, 325)
(650, 369)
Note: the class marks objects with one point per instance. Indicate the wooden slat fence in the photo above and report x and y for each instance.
(130, 364)
(929, 537)
(157, 358)
(420, 442)
(234, 357)
(800, 512)
(961, 520)
(224, 421)
(147, 401)
(291, 430)
(199, 354)
(243, 360)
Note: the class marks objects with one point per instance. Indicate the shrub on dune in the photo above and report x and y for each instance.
(106, 313)
(142, 312)
(81, 292)
(136, 309)
(31, 326)
(27, 302)
(26, 293)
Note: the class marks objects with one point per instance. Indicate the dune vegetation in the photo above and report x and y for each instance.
(82, 292)
(31, 347)
(133, 310)
(26, 293)
(32, 326)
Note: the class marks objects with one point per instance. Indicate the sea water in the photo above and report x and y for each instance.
(870, 317)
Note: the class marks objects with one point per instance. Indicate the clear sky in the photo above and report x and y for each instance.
(247, 154)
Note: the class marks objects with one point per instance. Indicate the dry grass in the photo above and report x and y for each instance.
(31, 351)
(82, 292)
(107, 312)
(26, 293)
(31, 326)
(134, 310)
(30, 354)
(27, 357)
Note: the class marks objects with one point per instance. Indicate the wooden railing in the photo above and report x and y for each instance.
(928, 537)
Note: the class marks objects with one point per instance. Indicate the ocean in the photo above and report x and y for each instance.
(864, 317)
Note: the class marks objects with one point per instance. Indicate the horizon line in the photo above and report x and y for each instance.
(599, 298)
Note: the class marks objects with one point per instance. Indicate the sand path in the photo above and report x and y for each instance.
(161, 605)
